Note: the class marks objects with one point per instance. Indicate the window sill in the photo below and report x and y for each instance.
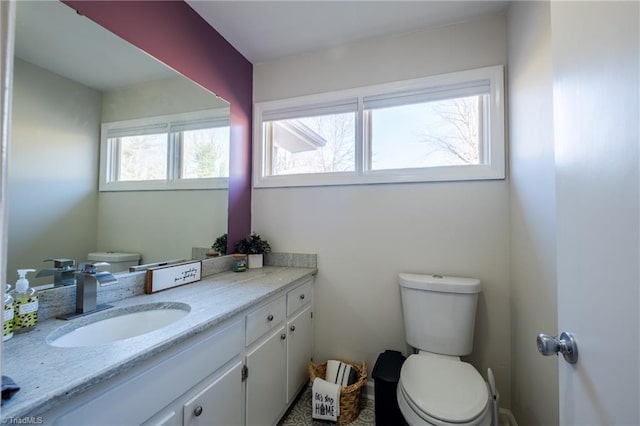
(432, 174)
(163, 185)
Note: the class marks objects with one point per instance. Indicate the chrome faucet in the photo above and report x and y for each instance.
(87, 279)
(63, 271)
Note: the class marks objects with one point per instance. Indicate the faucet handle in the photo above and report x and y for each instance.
(92, 268)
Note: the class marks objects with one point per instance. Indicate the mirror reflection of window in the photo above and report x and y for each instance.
(205, 153)
(141, 157)
(180, 151)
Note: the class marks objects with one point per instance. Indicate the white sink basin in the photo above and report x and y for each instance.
(119, 324)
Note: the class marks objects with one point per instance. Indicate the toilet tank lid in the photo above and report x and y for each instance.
(435, 282)
(113, 256)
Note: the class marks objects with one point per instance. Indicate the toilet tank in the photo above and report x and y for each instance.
(118, 262)
(439, 312)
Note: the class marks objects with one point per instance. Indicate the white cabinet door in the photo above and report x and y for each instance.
(266, 380)
(299, 330)
(219, 403)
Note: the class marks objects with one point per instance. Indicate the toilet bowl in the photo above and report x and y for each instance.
(435, 386)
(441, 391)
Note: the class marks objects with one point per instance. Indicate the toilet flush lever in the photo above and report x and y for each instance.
(566, 344)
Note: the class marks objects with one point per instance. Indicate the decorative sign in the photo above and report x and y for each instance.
(166, 277)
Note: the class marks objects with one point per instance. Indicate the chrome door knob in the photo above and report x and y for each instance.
(566, 345)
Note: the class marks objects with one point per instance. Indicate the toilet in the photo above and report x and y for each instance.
(435, 386)
(118, 262)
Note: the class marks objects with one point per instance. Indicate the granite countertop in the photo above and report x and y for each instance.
(49, 375)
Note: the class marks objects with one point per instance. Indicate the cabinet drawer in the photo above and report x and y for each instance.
(298, 297)
(264, 319)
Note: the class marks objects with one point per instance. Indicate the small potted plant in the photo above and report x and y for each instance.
(255, 248)
(220, 245)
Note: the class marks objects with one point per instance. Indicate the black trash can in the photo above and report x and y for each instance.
(386, 374)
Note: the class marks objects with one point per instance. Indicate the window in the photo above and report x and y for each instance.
(447, 127)
(320, 144)
(182, 151)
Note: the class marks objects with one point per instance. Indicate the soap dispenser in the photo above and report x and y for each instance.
(25, 303)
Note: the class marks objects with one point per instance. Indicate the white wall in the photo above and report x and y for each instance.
(160, 97)
(160, 225)
(53, 169)
(365, 235)
(533, 233)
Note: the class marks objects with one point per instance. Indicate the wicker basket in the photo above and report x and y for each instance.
(349, 395)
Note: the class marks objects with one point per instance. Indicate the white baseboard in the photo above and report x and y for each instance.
(369, 390)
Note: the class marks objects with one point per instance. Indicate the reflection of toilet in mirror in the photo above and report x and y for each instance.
(436, 387)
(118, 261)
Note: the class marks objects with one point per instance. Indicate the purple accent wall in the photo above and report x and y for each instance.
(176, 35)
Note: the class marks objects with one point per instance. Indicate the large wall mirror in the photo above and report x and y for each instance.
(71, 75)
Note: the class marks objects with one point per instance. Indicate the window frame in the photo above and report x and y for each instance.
(493, 150)
(218, 117)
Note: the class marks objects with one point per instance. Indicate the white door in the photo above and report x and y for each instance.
(299, 342)
(219, 403)
(266, 380)
(596, 120)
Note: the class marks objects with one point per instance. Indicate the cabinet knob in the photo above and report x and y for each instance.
(302, 297)
(198, 411)
(270, 317)
(283, 336)
(292, 328)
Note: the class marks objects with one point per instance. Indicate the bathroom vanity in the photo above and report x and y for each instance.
(240, 356)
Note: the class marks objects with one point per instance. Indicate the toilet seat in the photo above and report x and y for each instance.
(443, 391)
(413, 418)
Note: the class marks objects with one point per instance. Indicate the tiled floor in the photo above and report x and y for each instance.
(300, 413)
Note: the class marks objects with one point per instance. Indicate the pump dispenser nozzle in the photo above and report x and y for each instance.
(25, 303)
(23, 283)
